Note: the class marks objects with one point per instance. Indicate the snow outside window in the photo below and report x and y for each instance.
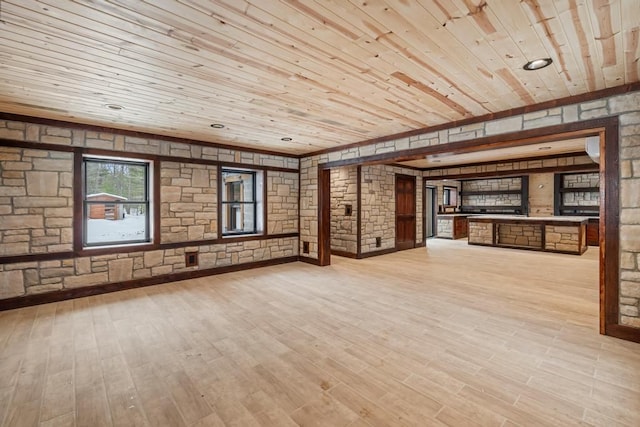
(116, 202)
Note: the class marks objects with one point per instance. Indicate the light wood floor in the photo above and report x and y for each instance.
(449, 335)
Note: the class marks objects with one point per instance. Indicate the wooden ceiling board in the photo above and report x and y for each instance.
(326, 73)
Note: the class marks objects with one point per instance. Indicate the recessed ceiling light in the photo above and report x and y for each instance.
(114, 107)
(544, 148)
(217, 125)
(537, 64)
(286, 139)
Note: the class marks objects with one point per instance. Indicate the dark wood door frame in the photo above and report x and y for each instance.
(608, 130)
(434, 204)
(324, 216)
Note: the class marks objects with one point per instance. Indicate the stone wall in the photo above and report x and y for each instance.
(581, 180)
(563, 238)
(629, 109)
(36, 204)
(36, 201)
(445, 227)
(189, 202)
(581, 198)
(519, 235)
(27, 278)
(378, 206)
(282, 202)
(493, 184)
(344, 191)
(481, 233)
(516, 166)
(625, 106)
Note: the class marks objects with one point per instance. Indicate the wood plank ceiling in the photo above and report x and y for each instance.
(323, 72)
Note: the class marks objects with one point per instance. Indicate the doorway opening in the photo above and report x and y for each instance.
(606, 129)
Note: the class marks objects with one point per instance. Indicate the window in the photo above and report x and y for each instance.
(241, 202)
(450, 196)
(116, 205)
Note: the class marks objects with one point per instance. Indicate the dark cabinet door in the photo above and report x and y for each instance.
(405, 212)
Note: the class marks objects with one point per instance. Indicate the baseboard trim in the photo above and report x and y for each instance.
(67, 294)
(344, 254)
(312, 261)
(623, 332)
(377, 253)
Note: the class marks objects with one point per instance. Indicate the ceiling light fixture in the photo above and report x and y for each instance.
(114, 107)
(217, 125)
(544, 148)
(286, 139)
(537, 64)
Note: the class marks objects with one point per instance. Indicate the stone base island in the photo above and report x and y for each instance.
(550, 234)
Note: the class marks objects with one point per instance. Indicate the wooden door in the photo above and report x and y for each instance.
(405, 212)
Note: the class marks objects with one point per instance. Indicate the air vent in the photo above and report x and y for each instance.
(191, 259)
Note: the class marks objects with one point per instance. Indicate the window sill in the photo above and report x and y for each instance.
(241, 237)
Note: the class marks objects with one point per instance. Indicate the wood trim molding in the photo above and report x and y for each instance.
(157, 201)
(57, 256)
(344, 254)
(623, 332)
(78, 216)
(498, 162)
(377, 253)
(136, 134)
(575, 99)
(66, 294)
(36, 145)
(610, 228)
(143, 156)
(324, 216)
(518, 172)
(359, 208)
(510, 139)
(309, 260)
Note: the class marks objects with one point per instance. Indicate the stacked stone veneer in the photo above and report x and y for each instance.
(494, 184)
(378, 206)
(344, 191)
(36, 206)
(520, 235)
(564, 238)
(581, 198)
(445, 227)
(46, 276)
(282, 207)
(189, 202)
(625, 106)
(36, 201)
(518, 166)
(480, 232)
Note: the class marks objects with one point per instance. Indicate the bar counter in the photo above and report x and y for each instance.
(563, 234)
(451, 226)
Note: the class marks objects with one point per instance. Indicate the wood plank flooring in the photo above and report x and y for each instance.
(452, 335)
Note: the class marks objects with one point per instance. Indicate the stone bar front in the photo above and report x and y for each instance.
(551, 234)
(452, 226)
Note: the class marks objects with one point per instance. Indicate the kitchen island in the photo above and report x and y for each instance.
(562, 234)
(451, 226)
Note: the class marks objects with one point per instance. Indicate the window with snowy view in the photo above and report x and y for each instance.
(116, 202)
